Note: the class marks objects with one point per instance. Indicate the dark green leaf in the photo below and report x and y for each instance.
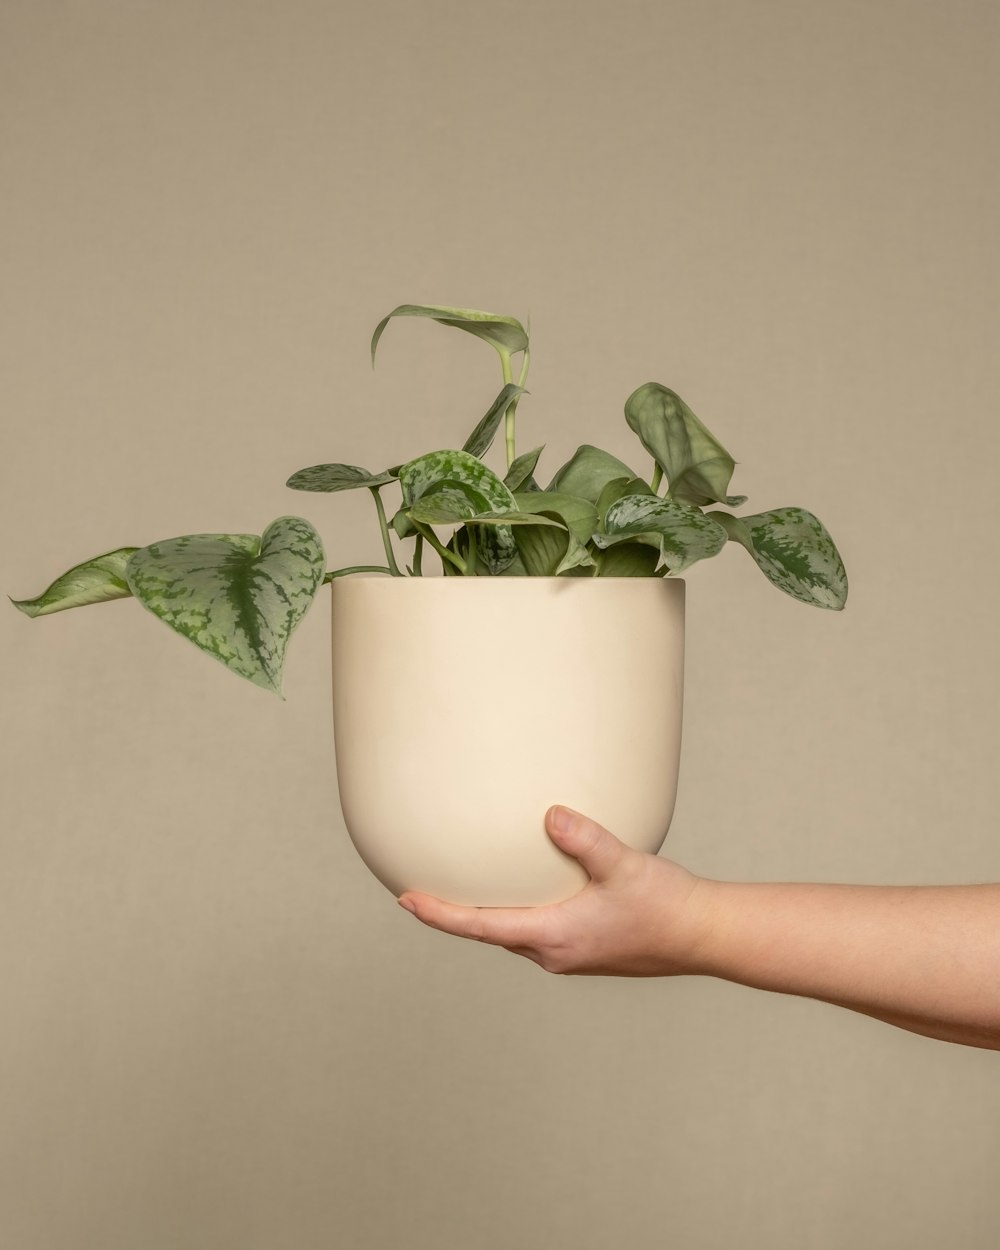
(578, 515)
(697, 466)
(481, 438)
(587, 472)
(506, 334)
(521, 470)
(630, 560)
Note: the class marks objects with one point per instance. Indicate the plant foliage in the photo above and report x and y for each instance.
(239, 597)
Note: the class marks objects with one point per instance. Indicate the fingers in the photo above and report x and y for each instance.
(599, 851)
(500, 926)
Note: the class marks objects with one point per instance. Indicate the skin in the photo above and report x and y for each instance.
(923, 958)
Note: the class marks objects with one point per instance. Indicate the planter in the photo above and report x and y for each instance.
(464, 707)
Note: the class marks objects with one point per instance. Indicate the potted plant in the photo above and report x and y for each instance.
(543, 662)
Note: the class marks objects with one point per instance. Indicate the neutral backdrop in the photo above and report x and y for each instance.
(218, 1031)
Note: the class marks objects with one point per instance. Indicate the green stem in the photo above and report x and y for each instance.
(393, 566)
(657, 479)
(418, 555)
(451, 556)
(357, 568)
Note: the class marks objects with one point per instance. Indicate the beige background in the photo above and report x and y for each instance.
(218, 1032)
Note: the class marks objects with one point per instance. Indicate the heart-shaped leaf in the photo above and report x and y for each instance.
(94, 581)
(697, 466)
(587, 472)
(481, 438)
(332, 477)
(794, 551)
(506, 334)
(686, 534)
(617, 489)
(236, 596)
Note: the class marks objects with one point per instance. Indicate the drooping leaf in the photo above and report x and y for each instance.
(697, 466)
(587, 472)
(521, 470)
(481, 438)
(550, 552)
(686, 534)
(506, 334)
(448, 503)
(423, 474)
(332, 477)
(579, 515)
(794, 551)
(93, 581)
(236, 596)
(627, 559)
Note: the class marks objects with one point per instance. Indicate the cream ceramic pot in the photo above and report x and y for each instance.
(464, 707)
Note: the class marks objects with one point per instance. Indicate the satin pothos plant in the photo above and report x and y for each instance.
(239, 597)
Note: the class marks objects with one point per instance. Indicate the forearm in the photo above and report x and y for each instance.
(924, 958)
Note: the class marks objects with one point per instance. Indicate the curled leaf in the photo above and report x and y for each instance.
(506, 334)
(686, 534)
(697, 466)
(93, 581)
(481, 438)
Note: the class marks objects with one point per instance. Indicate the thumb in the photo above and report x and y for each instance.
(599, 851)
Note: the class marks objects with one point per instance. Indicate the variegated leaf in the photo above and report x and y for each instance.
(587, 472)
(481, 438)
(686, 534)
(236, 596)
(697, 466)
(617, 489)
(93, 581)
(506, 334)
(333, 477)
(794, 551)
(425, 473)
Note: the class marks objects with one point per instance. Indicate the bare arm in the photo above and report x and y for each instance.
(925, 958)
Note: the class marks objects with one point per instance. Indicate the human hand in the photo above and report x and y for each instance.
(639, 915)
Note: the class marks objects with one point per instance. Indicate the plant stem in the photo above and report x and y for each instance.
(451, 556)
(418, 554)
(657, 479)
(393, 566)
(357, 568)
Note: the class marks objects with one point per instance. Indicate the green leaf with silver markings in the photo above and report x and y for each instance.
(481, 438)
(506, 334)
(794, 551)
(93, 581)
(427, 472)
(333, 477)
(236, 596)
(697, 466)
(617, 489)
(686, 534)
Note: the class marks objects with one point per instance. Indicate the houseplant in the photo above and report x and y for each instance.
(239, 598)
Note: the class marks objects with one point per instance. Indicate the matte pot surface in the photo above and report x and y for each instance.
(464, 707)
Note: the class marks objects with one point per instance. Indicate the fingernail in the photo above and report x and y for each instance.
(407, 905)
(562, 818)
